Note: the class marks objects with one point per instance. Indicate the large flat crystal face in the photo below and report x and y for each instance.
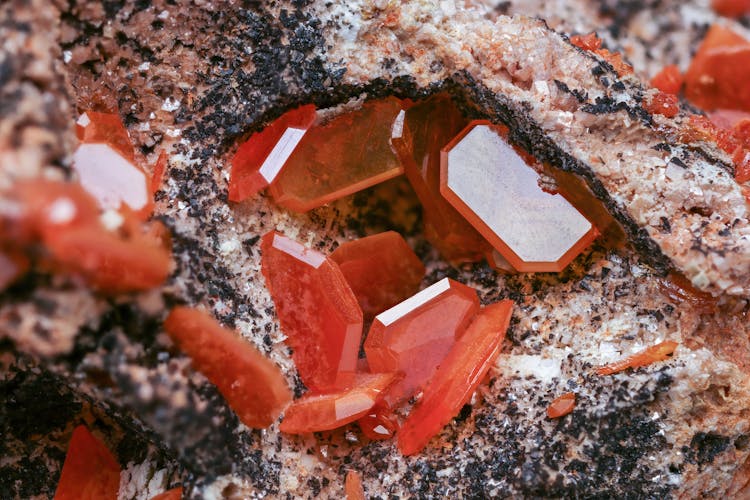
(498, 192)
(110, 177)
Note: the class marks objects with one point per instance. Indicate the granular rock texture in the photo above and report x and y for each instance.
(192, 80)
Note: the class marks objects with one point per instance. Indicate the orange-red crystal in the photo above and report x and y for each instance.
(350, 152)
(414, 336)
(457, 378)
(106, 164)
(647, 356)
(259, 160)
(381, 269)
(322, 412)
(428, 126)
(662, 103)
(90, 471)
(668, 80)
(562, 405)
(317, 310)
(379, 423)
(731, 8)
(253, 386)
(719, 75)
(353, 486)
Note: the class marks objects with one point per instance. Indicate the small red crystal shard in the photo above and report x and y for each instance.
(349, 153)
(259, 160)
(323, 412)
(680, 290)
(173, 494)
(90, 472)
(457, 378)
(662, 103)
(731, 8)
(652, 354)
(381, 269)
(65, 219)
(414, 336)
(252, 385)
(428, 126)
(379, 423)
(668, 80)
(106, 164)
(719, 75)
(562, 405)
(592, 43)
(159, 168)
(317, 310)
(493, 185)
(353, 486)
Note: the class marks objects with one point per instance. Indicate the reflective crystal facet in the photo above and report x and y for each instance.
(253, 386)
(414, 336)
(457, 378)
(322, 412)
(381, 269)
(428, 126)
(106, 164)
(350, 152)
(259, 160)
(317, 310)
(491, 184)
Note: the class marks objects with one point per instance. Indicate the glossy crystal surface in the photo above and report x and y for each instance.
(381, 269)
(259, 160)
(322, 412)
(457, 378)
(253, 386)
(379, 423)
(428, 126)
(414, 336)
(492, 185)
(348, 153)
(317, 310)
(90, 471)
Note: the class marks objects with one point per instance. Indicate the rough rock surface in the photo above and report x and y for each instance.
(192, 81)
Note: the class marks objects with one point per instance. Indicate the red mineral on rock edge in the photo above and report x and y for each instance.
(90, 471)
(159, 168)
(253, 386)
(668, 80)
(731, 8)
(719, 75)
(259, 160)
(428, 126)
(353, 486)
(414, 336)
(317, 310)
(652, 354)
(107, 166)
(592, 43)
(662, 103)
(381, 269)
(323, 412)
(562, 405)
(350, 152)
(457, 378)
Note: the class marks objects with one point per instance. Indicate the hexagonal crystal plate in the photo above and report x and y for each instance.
(487, 180)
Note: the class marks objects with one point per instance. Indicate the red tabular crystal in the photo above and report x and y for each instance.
(90, 472)
(324, 412)
(719, 75)
(317, 310)
(428, 126)
(159, 168)
(382, 270)
(457, 378)
(668, 80)
(349, 153)
(106, 163)
(252, 385)
(379, 423)
(260, 159)
(562, 405)
(731, 8)
(353, 486)
(414, 336)
(663, 103)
